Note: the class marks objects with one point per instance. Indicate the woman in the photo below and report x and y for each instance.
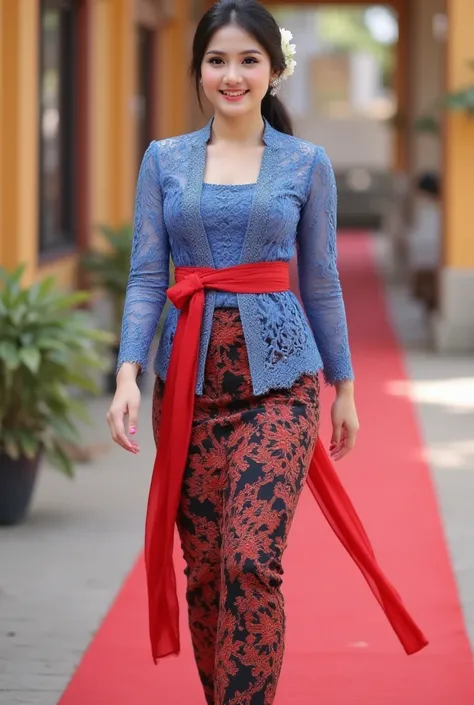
(236, 423)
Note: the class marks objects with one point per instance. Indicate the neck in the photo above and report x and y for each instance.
(246, 130)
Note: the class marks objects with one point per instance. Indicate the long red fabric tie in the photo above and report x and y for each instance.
(188, 295)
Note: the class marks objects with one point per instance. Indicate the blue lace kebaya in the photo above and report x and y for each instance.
(292, 205)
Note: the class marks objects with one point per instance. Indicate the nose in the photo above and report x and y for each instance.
(232, 75)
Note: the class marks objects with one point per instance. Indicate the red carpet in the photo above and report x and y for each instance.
(340, 650)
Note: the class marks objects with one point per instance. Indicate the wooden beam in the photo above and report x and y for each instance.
(458, 142)
(393, 3)
(402, 86)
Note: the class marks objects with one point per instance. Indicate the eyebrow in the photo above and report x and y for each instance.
(223, 53)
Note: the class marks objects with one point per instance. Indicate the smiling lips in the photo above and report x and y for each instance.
(234, 95)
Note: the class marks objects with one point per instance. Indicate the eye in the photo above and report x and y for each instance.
(250, 60)
(215, 60)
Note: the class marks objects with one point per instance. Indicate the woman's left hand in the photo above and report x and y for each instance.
(345, 423)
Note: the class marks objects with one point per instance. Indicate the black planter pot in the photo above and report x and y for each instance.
(17, 482)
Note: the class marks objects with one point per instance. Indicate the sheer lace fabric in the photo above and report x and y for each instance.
(291, 208)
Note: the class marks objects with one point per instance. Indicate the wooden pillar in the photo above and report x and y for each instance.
(459, 141)
(173, 56)
(402, 87)
(112, 143)
(83, 75)
(100, 116)
(122, 90)
(455, 323)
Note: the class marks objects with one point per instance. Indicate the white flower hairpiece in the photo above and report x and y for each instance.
(289, 50)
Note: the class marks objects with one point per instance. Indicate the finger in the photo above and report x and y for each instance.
(348, 445)
(336, 446)
(110, 424)
(351, 438)
(130, 446)
(336, 434)
(340, 454)
(119, 434)
(132, 419)
(132, 426)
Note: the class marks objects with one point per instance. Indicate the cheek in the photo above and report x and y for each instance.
(259, 78)
(210, 78)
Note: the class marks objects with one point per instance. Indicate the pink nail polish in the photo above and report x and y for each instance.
(133, 430)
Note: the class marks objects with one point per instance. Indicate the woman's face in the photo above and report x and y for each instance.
(236, 72)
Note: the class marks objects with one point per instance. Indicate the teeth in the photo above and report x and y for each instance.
(233, 94)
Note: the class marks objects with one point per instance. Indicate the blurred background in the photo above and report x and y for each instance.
(387, 89)
(85, 85)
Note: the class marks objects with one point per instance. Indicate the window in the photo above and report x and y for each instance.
(56, 124)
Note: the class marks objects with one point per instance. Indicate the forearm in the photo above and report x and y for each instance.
(128, 372)
(344, 387)
(327, 318)
(146, 296)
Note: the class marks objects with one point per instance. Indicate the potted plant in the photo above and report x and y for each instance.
(109, 269)
(456, 101)
(428, 124)
(463, 99)
(49, 353)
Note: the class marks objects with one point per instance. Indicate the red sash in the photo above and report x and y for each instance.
(188, 295)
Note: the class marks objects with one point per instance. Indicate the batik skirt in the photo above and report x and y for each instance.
(247, 465)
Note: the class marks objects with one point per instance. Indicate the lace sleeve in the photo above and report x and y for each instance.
(149, 266)
(317, 270)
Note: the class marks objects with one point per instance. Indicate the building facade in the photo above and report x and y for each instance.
(84, 86)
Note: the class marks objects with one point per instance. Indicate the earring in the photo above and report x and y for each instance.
(275, 85)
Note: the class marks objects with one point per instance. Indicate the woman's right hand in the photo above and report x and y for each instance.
(126, 402)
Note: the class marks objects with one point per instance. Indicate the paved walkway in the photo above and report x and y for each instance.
(61, 569)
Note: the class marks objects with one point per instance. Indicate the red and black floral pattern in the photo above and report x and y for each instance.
(247, 465)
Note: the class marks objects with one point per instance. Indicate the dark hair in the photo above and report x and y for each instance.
(429, 182)
(255, 19)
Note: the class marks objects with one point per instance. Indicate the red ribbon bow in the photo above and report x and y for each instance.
(188, 295)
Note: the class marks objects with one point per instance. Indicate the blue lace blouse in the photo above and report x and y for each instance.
(292, 205)
(225, 214)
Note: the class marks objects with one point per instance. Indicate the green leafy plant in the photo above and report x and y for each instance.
(462, 100)
(427, 124)
(109, 267)
(49, 352)
(456, 101)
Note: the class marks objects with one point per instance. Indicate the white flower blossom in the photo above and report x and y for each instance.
(289, 50)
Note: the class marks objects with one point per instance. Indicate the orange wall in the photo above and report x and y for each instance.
(18, 156)
(459, 141)
(112, 144)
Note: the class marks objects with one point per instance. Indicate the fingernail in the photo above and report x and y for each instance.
(133, 430)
